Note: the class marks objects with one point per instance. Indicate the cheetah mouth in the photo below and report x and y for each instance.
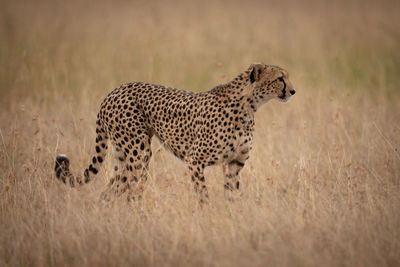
(283, 96)
(284, 99)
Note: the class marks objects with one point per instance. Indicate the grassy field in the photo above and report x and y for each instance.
(321, 187)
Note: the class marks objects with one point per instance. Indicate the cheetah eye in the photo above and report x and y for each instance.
(281, 79)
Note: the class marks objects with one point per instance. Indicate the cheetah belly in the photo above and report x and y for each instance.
(174, 134)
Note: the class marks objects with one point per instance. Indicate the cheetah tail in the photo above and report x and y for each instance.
(63, 172)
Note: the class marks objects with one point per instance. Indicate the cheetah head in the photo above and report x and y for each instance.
(269, 82)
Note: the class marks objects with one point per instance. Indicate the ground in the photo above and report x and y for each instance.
(321, 186)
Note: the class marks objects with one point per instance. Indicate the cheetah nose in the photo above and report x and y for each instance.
(292, 92)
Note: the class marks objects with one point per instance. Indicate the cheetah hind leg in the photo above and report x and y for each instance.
(138, 166)
(115, 186)
(130, 171)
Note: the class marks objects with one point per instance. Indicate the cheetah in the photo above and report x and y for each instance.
(202, 129)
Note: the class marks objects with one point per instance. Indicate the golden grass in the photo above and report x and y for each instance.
(321, 187)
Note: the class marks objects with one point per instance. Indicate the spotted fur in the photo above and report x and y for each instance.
(202, 129)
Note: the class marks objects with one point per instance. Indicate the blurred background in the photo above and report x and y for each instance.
(63, 46)
(321, 186)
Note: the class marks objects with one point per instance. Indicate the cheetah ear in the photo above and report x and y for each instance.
(255, 72)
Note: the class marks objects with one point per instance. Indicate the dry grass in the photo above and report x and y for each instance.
(322, 184)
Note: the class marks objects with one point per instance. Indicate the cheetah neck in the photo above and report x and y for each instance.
(238, 90)
(233, 89)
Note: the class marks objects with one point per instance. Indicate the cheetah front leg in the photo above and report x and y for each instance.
(197, 174)
(232, 183)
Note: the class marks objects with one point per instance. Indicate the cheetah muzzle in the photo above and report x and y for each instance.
(202, 129)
